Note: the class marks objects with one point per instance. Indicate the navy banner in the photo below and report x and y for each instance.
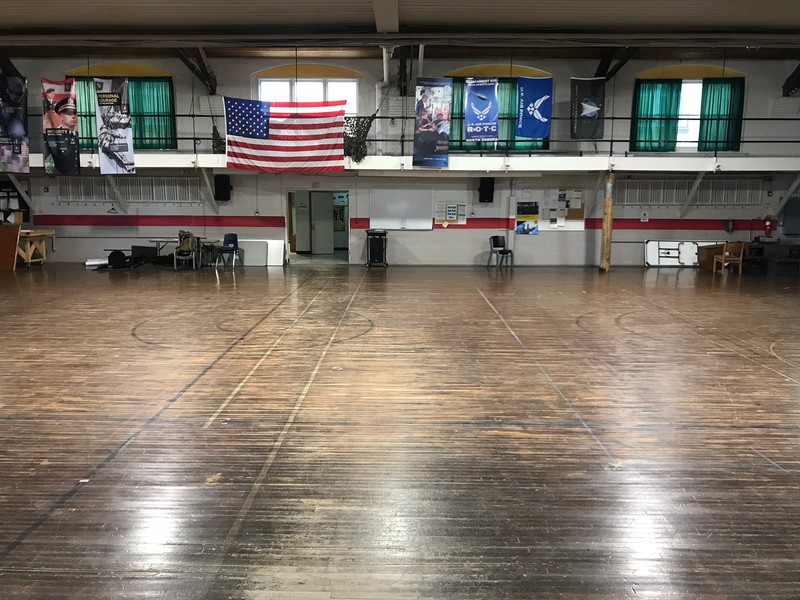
(535, 102)
(432, 123)
(114, 133)
(481, 109)
(60, 127)
(14, 125)
(587, 110)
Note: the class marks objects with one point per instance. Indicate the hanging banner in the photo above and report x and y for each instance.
(114, 133)
(481, 109)
(586, 115)
(13, 125)
(432, 124)
(60, 127)
(535, 102)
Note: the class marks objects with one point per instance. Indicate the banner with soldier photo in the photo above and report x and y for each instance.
(60, 127)
(114, 133)
(14, 125)
(432, 122)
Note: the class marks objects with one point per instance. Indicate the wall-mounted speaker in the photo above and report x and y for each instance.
(222, 188)
(486, 189)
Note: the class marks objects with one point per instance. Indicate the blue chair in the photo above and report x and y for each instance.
(230, 247)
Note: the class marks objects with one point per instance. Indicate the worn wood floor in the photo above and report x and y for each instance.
(443, 433)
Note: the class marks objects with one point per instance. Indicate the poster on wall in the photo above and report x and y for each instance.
(114, 133)
(14, 125)
(535, 107)
(432, 122)
(481, 111)
(527, 218)
(60, 127)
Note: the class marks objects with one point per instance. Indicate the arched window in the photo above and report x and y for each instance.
(690, 107)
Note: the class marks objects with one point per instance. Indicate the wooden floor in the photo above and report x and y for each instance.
(444, 433)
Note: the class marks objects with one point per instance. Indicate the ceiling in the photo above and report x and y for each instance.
(518, 28)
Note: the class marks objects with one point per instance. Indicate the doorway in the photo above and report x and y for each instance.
(318, 225)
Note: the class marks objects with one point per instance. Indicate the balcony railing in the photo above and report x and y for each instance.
(394, 136)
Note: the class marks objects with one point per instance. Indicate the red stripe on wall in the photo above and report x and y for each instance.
(179, 221)
(480, 223)
(680, 224)
(359, 223)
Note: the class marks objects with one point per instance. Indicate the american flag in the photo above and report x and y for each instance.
(285, 137)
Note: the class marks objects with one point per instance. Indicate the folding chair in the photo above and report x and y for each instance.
(497, 246)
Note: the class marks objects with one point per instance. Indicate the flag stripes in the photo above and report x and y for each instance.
(285, 137)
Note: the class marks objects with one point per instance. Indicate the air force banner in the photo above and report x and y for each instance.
(535, 95)
(587, 108)
(481, 109)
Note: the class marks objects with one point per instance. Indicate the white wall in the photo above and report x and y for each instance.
(265, 195)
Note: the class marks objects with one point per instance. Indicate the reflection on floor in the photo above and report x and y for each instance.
(339, 257)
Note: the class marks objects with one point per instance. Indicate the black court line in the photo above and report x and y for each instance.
(62, 500)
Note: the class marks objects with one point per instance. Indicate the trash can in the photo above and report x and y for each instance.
(376, 248)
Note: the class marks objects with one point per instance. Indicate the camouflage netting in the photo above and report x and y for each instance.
(356, 130)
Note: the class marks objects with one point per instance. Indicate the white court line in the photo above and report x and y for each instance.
(549, 379)
(247, 377)
(262, 475)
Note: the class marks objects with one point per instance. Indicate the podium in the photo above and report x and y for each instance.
(376, 248)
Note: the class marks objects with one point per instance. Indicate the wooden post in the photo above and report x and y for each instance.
(608, 223)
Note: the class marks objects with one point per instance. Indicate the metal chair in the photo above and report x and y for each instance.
(186, 250)
(230, 247)
(497, 246)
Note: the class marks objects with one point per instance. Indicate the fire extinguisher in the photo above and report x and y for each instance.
(769, 224)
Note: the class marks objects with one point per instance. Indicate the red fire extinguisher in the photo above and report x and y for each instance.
(769, 224)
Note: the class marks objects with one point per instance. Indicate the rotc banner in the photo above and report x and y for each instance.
(481, 110)
(114, 133)
(60, 127)
(432, 122)
(587, 110)
(535, 101)
(13, 125)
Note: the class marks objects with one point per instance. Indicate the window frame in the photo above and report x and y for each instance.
(324, 80)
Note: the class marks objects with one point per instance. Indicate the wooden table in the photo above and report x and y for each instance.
(31, 247)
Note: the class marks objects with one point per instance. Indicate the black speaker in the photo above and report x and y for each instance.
(486, 189)
(222, 188)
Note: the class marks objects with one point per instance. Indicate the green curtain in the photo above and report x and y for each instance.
(152, 113)
(508, 140)
(721, 111)
(87, 127)
(654, 126)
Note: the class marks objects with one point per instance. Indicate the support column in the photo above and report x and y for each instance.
(608, 225)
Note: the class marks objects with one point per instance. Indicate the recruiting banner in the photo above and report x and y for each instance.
(481, 109)
(13, 125)
(535, 101)
(60, 127)
(587, 110)
(432, 124)
(114, 133)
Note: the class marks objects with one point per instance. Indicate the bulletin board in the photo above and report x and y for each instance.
(400, 209)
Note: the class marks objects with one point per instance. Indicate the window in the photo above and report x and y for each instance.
(310, 90)
(152, 113)
(507, 139)
(703, 115)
